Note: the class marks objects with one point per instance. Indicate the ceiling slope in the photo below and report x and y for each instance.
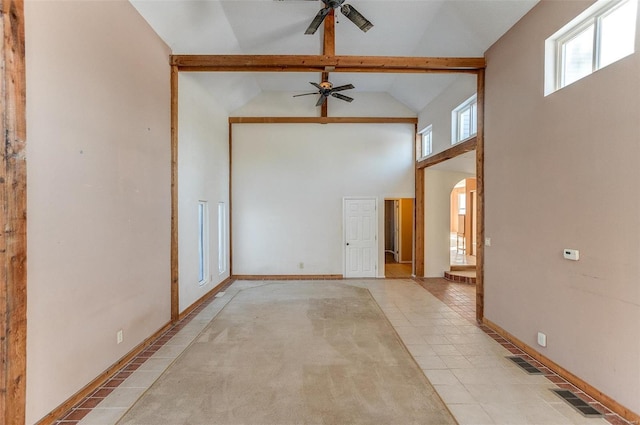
(424, 28)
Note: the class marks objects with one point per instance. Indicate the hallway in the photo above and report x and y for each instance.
(395, 270)
(435, 319)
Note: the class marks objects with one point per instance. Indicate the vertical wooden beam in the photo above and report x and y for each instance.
(329, 35)
(418, 212)
(328, 49)
(13, 201)
(175, 275)
(480, 197)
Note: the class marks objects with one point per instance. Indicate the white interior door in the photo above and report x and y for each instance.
(361, 240)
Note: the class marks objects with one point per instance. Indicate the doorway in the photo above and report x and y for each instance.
(463, 222)
(398, 237)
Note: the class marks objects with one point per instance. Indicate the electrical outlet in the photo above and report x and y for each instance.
(487, 241)
(119, 336)
(301, 266)
(571, 254)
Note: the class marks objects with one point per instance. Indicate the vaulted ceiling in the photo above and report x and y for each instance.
(424, 28)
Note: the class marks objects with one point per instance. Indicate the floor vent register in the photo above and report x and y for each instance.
(577, 403)
(525, 365)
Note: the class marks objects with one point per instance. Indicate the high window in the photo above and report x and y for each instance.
(222, 238)
(600, 36)
(464, 120)
(203, 242)
(427, 141)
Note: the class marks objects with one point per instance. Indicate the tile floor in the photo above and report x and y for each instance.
(465, 362)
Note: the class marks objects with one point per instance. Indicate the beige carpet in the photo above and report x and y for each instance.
(294, 353)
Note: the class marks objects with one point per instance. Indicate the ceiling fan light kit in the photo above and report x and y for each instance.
(326, 89)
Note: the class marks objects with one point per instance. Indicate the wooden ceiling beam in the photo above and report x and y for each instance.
(323, 120)
(322, 69)
(452, 152)
(321, 63)
(329, 35)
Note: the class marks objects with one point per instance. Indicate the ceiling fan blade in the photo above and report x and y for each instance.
(315, 24)
(342, 97)
(318, 86)
(322, 99)
(345, 87)
(356, 17)
(305, 94)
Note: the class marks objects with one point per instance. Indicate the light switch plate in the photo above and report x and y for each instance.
(542, 339)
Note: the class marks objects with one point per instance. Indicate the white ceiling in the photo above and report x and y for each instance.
(401, 28)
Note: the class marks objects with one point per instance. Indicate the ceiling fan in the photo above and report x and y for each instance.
(347, 10)
(326, 89)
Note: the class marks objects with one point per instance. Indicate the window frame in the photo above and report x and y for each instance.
(555, 53)
(560, 50)
(470, 104)
(427, 130)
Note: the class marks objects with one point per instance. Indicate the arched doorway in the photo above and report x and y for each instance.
(463, 231)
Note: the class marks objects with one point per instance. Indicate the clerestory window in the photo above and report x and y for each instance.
(600, 36)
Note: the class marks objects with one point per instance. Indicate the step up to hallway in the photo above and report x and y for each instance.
(463, 268)
(462, 276)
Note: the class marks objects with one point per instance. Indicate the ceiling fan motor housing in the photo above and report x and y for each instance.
(333, 3)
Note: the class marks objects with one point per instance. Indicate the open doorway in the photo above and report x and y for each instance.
(398, 237)
(463, 230)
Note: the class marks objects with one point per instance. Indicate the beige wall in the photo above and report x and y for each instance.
(562, 172)
(98, 167)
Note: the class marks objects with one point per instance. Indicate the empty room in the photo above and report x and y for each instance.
(320, 212)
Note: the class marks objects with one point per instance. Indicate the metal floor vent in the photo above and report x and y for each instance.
(577, 403)
(525, 365)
